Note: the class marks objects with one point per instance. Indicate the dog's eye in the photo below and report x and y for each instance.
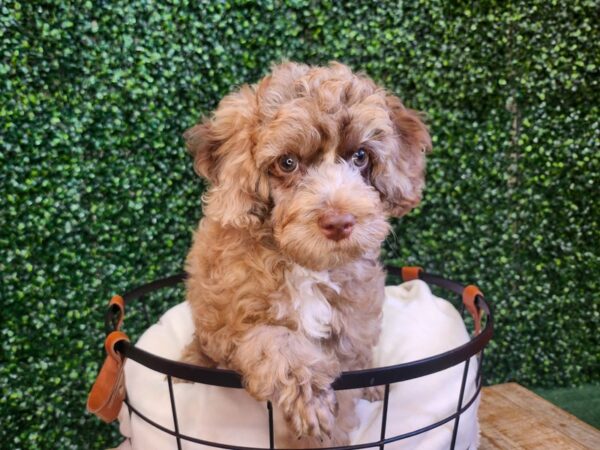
(288, 163)
(360, 158)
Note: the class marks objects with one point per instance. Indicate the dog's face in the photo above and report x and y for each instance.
(319, 157)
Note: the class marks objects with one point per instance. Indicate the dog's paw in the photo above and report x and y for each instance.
(310, 411)
(373, 394)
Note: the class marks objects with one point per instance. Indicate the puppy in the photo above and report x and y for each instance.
(285, 286)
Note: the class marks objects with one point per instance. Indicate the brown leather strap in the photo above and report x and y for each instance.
(107, 394)
(111, 341)
(411, 272)
(469, 296)
(118, 303)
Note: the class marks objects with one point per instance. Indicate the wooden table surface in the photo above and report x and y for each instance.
(512, 417)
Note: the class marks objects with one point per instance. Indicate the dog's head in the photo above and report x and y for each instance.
(320, 156)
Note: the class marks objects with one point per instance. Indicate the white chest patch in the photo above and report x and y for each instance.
(313, 308)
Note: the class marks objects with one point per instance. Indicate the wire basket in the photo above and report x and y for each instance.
(471, 299)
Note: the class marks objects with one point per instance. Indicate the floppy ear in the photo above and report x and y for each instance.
(222, 150)
(401, 177)
(201, 144)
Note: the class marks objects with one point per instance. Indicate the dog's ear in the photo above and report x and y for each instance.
(401, 177)
(201, 144)
(222, 150)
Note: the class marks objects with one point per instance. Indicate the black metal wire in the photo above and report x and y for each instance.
(479, 376)
(174, 411)
(344, 447)
(408, 371)
(271, 428)
(348, 380)
(185, 437)
(428, 427)
(386, 397)
(154, 285)
(460, 399)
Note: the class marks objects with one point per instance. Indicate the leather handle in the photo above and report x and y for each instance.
(469, 297)
(117, 305)
(108, 392)
(111, 340)
(411, 273)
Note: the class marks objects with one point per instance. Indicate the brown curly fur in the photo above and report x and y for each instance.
(272, 297)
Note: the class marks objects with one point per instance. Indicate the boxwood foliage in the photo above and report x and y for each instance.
(98, 194)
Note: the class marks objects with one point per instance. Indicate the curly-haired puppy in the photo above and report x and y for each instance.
(284, 280)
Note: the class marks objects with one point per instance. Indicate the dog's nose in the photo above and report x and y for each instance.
(336, 226)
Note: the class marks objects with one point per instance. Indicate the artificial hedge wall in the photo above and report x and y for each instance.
(98, 194)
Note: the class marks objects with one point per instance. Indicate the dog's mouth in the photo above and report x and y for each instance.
(321, 244)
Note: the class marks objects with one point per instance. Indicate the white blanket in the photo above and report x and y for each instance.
(416, 325)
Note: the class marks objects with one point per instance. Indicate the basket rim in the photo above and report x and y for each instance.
(347, 380)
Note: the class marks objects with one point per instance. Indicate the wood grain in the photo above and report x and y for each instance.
(513, 417)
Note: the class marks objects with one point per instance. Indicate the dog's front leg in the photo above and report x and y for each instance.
(284, 366)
